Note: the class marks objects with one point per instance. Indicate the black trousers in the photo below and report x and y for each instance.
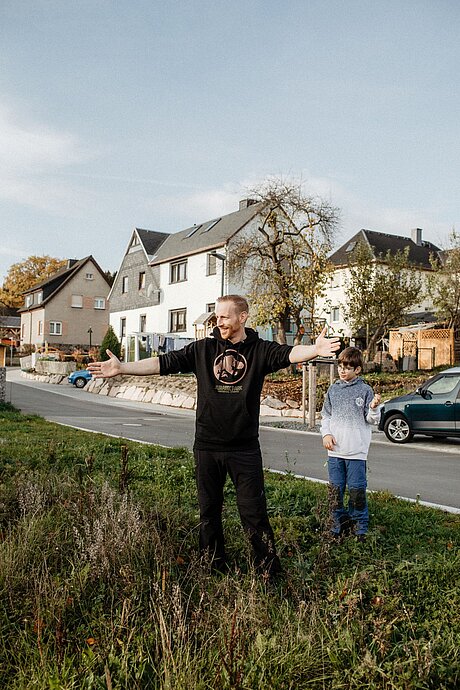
(246, 472)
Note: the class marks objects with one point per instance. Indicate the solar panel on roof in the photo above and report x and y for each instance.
(211, 225)
(194, 229)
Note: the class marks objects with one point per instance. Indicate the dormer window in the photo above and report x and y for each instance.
(39, 297)
(29, 300)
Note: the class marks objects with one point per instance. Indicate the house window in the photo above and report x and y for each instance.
(29, 300)
(122, 327)
(124, 284)
(40, 328)
(55, 327)
(335, 280)
(89, 276)
(335, 314)
(142, 323)
(211, 265)
(77, 301)
(177, 320)
(99, 302)
(211, 307)
(39, 297)
(23, 330)
(142, 280)
(178, 271)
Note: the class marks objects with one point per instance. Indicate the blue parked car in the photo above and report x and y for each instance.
(80, 378)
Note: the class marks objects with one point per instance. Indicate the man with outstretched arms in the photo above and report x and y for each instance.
(230, 368)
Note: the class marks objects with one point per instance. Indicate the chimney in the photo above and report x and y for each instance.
(416, 235)
(244, 203)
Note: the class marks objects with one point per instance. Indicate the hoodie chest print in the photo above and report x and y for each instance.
(230, 367)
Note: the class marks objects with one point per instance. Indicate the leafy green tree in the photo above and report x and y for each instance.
(110, 342)
(284, 262)
(381, 289)
(24, 275)
(444, 284)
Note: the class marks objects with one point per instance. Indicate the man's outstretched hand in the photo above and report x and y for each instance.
(326, 346)
(107, 369)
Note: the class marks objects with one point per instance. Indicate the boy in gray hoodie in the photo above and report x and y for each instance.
(349, 409)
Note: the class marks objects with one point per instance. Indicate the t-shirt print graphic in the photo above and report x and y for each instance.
(230, 367)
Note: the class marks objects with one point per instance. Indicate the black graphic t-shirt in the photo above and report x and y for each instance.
(229, 379)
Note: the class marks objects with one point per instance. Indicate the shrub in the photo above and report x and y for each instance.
(110, 342)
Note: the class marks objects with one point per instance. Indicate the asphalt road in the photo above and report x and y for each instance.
(425, 469)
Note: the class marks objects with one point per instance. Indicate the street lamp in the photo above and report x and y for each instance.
(90, 331)
(222, 258)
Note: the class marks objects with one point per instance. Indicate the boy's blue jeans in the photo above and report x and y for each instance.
(352, 474)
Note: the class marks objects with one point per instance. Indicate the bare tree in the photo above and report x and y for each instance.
(380, 291)
(284, 262)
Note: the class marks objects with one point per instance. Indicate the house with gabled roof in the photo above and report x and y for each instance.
(135, 293)
(187, 274)
(68, 309)
(330, 305)
(192, 267)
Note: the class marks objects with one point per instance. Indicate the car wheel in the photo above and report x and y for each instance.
(80, 382)
(397, 429)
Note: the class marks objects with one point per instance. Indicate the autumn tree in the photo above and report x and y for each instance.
(444, 283)
(24, 274)
(284, 261)
(381, 289)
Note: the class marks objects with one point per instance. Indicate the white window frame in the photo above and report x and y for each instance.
(178, 272)
(141, 281)
(142, 323)
(122, 327)
(40, 328)
(55, 328)
(89, 276)
(77, 302)
(178, 320)
(99, 302)
(335, 314)
(211, 265)
(124, 285)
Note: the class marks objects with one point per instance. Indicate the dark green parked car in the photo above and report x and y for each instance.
(433, 409)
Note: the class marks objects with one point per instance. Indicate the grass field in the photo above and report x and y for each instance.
(101, 585)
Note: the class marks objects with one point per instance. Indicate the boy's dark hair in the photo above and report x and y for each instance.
(351, 357)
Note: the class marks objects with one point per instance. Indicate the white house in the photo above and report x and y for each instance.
(330, 306)
(167, 285)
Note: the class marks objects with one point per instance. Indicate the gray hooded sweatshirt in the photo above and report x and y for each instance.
(347, 416)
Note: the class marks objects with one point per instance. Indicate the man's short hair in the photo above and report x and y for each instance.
(351, 357)
(241, 303)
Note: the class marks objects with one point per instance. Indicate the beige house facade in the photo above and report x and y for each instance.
(67, 310)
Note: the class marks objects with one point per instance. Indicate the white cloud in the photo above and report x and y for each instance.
(32, 157)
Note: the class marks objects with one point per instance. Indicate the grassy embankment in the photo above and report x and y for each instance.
(101, 586)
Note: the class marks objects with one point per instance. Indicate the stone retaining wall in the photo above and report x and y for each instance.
(173, 391)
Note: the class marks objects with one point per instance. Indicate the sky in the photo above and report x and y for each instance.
(117, 114)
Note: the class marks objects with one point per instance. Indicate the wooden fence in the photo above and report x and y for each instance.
(428, 348)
